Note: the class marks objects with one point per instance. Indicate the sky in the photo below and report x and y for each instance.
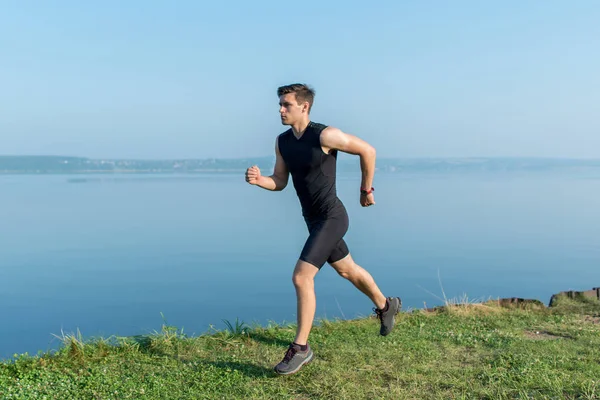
(190, 79)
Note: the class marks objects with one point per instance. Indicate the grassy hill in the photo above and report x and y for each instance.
(461, 351)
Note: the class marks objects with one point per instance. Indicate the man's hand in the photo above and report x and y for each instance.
(253, 175)
(367, 200)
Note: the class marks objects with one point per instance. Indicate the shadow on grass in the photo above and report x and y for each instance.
(250, 370)
(143, 341)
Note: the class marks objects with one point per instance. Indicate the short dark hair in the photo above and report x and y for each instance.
(302, 91)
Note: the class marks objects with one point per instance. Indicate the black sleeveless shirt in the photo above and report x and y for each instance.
(313, 171)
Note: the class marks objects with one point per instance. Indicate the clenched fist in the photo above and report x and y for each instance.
(367, 200)
(253, 175)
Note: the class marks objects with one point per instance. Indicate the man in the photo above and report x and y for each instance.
(308, 151)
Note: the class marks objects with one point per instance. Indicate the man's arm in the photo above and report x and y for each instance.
(334, 138)
(276, 182)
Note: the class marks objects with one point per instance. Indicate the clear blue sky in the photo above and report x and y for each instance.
(150, 79)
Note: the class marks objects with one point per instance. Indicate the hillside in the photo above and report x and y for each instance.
(467, 351)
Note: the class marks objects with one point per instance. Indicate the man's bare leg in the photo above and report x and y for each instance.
(304, 282)
(299, 353)
(360, 278)
(386, 309)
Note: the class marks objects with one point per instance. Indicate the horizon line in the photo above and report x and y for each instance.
(273, 156)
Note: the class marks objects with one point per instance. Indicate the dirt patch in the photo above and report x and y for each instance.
(465, 309)
(544, 335)
(591, 319)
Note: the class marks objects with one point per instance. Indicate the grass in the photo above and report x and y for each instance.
(461, 351)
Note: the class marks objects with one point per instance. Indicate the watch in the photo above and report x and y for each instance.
(364, 191)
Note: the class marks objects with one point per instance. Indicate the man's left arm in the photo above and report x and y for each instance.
(334, 138)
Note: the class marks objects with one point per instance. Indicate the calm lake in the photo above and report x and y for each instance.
(107, 254)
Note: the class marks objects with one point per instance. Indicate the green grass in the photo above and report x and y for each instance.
(468, 351)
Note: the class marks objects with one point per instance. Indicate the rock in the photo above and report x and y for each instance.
(512, 302)
(575, 295)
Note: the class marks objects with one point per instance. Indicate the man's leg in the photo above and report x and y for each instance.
(322, 244)
(386, 308)
(360, 278)
(304, 282)
(299, 352)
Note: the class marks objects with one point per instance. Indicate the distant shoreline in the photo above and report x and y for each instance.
(44, 165)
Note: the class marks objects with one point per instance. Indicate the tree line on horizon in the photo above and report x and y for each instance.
(60, 164)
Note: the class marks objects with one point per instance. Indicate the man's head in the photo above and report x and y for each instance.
(295, 102)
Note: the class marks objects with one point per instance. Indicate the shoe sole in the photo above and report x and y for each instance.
(308, 360)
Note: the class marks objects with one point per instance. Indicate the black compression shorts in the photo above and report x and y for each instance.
(325, 242)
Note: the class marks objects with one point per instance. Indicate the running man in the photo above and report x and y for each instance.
(308, 151)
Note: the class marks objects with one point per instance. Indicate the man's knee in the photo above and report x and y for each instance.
(304, 274)
(347, 272)
(302, 280)
(345, 267)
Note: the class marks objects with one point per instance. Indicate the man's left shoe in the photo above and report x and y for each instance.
(294, 359)
(387, 315)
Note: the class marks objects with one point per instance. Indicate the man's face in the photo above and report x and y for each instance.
(289, 109)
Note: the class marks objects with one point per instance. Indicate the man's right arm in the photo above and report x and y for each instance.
(276, 182)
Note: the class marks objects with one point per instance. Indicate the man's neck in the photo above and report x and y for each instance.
(299, 127)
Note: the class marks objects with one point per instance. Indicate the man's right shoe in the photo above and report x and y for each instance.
(293, 360)
(387, 315)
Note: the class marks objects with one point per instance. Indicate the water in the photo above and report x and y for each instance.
(108, 255)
